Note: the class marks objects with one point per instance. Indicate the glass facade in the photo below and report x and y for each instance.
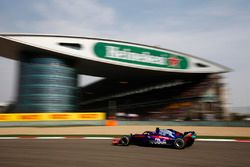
(47, 84)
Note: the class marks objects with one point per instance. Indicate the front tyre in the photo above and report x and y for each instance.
(179, 143)
(125, 141)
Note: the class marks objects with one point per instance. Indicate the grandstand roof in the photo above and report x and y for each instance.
(108, 58)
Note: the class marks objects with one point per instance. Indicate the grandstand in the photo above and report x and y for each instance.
(140, 81)
(182, 98)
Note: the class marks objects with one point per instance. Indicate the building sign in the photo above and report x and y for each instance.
(140, 56)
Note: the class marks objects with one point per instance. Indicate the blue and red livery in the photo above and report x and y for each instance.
(160, 137)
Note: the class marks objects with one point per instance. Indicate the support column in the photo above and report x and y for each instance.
(46, 84)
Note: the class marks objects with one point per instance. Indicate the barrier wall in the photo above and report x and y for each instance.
(188, 123)
(24, 117)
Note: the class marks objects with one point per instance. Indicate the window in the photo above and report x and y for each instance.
(201, 65)
(76, 46)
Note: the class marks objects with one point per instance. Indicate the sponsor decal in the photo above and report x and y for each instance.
(158, 141)
(140, 56)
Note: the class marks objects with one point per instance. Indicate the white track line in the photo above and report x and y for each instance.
(49, 138)
(9, 138)
(98, 138)
(223, 140)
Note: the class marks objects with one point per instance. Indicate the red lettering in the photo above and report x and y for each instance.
(29, 117)
(59, 116)
(3, 117)
(88, 116)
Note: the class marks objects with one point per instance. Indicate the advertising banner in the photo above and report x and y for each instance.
(140, 56)
(52, 117)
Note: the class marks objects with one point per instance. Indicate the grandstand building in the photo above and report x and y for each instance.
(140, 80)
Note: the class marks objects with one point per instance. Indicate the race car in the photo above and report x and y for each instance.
(159, 137)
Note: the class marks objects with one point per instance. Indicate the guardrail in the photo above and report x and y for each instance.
(97, 119)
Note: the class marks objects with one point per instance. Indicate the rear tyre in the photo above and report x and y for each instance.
(190, 143)
(179, 143)
(125, 141)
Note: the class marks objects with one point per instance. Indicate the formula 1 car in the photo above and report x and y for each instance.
(159, 137)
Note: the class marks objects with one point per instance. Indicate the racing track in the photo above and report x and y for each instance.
(100, 153)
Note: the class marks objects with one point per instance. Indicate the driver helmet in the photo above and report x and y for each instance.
(157, 130)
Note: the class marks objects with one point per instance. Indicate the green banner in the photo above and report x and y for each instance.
(140, 56)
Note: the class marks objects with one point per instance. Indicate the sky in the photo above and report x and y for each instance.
(217, 30)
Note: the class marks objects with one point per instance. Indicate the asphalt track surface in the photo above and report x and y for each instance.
(100, 153)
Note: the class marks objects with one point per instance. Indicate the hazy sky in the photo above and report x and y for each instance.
(217, 30)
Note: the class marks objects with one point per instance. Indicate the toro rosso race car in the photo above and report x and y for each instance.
(160, 137)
